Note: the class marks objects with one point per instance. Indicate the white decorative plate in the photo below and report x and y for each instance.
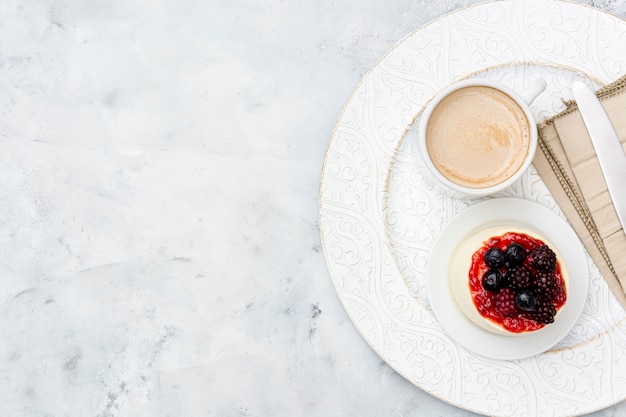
(506, 212)
(380, 213)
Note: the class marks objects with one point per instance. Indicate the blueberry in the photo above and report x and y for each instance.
(525, 300)
(492, 280)
(515, 254)
(494, 258)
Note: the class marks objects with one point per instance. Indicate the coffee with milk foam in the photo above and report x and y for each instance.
(478, 137)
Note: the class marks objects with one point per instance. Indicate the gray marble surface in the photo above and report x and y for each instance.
(159, 238)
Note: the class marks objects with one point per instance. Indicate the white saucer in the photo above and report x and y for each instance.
(516, 213)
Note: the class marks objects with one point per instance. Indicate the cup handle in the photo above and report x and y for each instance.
(535, 89)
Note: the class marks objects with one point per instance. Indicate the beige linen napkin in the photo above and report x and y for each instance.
(567, 163)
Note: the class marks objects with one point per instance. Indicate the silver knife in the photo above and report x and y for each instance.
(607, 145)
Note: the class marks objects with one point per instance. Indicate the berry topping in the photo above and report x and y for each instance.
(525, 300)
(542, 258)
(505, 303)
(544, 283)
(494, 258)
(518, 277)
(516, 281)
(492, 280)
(515, 254)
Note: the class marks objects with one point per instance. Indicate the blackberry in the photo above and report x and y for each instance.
(494, 258)
(518, 277)
(557, 291)
(515, 254)
(544, 314)
(544, 283)
(543, 259)
(492, 280)
(505, 303)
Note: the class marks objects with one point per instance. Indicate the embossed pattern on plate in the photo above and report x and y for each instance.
(380, 213)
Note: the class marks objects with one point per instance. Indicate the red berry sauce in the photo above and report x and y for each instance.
(484, 300)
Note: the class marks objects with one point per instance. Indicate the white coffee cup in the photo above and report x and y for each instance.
(478, 137)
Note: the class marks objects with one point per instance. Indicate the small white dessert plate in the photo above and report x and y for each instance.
(517, 213)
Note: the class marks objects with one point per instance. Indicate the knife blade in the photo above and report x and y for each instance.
(606, 144)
